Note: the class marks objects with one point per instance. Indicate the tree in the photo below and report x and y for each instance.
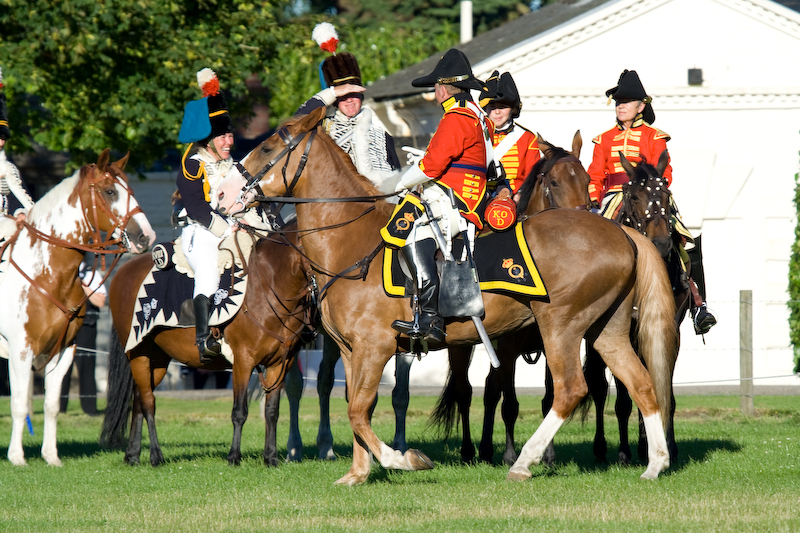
(794, 283)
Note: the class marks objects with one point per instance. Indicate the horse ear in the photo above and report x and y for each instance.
(663, 161)
(102, 161)
(545, 147)
(122, 162)
(629, 170)
(577, 143)
(310, 121)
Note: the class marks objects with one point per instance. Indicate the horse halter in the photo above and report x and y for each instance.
(119, 224)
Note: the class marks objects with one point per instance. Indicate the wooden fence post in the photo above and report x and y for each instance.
(746, 352)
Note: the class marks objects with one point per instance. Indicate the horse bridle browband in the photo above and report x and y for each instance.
(629, 216)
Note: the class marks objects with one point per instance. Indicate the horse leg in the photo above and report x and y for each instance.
(595, 374)
(272, 404)
(325, 382)
(294, 391)
(614, 346)
(549, 456)
(623, 407)
(55, 371)
(459, 395)
(19, 373)
(363, 373)
(240, 378)
(147, 378)
(491, 397)
(569, 387)
(134, 450)
(510, 407)
(400, 399)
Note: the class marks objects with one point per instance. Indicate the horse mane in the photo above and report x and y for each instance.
(526, 191)
(48, 202)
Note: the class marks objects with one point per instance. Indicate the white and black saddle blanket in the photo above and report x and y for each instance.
(165, 299)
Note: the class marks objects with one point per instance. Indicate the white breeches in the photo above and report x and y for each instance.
(200, 247)
(450, 220)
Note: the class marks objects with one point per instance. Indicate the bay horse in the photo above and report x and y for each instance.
(266, 331)
(646, 207)
(594, 274)
(557, 180)
(43, 300)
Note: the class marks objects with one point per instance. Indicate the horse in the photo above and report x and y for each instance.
(595, 274)
(43, 300)
(645, 207)
(557, 180)
(266, 331)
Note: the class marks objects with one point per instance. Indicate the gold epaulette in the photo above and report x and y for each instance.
(661, 134)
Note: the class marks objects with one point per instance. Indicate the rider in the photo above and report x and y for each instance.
(454, 165)
(515, 146)
(207, 127)
(14, 198)
(634, 135)
(354, 128)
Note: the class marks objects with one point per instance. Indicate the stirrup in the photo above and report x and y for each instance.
(703, 320)
(209, 348)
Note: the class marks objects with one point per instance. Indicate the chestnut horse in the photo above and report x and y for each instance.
(557, 180)
(43, 301)
(266, 331)
(593, 271)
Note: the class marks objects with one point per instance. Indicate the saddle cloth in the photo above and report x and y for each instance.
(159, 300)
(504, 263)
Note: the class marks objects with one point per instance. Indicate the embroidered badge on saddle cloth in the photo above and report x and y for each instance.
(504, 264)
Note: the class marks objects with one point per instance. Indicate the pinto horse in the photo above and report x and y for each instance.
(43, 301)
(557, 180)
(594, 274)
(266, 331)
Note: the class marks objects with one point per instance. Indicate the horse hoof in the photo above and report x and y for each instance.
(18, 461)
(418, 460)
(54, 462)
(327, 455)
(519, 475)
(350, 480)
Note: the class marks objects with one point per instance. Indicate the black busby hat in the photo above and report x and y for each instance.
(501, 91)
(5, 131)
(629, 87)
(208, 117)
(452, 69)
(336, 69)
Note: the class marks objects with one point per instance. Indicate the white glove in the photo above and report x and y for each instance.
(411, 178)
(413, 155)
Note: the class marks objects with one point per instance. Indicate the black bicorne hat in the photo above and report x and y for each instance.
(452, 69)
(502, 91)
(5, 131)
(629, 87)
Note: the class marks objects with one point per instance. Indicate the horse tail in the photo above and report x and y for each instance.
(444, 414)
(657, 332)
(120, 395)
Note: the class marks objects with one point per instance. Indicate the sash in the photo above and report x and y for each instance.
(508, 141)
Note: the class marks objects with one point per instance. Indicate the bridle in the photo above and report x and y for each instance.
(656, 187)
(96, 245)
(544, 177)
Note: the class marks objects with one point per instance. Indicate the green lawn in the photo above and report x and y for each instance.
(734, 474)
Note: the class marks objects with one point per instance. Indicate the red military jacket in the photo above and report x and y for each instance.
(519, 159)
(456, 155)
(640, 141)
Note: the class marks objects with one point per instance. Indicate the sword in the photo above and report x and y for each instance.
(437, 233)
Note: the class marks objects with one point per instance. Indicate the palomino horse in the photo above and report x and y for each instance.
(645, 207)
(557, 180)
(266, 331)
(43, 301)
(594, 275)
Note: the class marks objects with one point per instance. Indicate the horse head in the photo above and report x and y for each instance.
(557, 180)
(108, 205)
(271, 166)
(646, 202)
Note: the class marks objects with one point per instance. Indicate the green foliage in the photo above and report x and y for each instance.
(794, 282)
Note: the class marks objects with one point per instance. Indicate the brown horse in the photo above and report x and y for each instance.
(266, 331)
(557, 180)
(593, 271)
(43, 301)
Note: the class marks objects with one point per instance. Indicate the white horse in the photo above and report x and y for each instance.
(43, 300)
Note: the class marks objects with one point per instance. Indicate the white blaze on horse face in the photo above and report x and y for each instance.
(229, 193)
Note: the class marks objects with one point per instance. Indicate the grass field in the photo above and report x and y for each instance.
(734, 474)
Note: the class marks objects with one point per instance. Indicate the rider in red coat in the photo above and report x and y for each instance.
(634, 136)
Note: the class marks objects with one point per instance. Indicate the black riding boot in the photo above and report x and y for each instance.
(206, 344)
(702, 317)
(423, 270)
